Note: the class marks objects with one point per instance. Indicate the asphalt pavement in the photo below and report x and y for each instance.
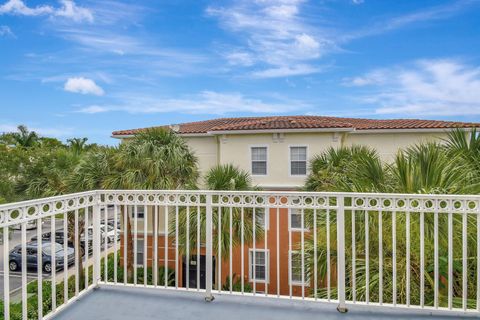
(16, 277)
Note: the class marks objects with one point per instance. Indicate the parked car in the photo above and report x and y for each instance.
(59, 238)
(111, 222)
(110, 231)
(90, 237)
(15, 257)
(32, 224)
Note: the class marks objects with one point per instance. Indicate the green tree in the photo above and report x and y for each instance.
(154, 159)
(24, 137)
(354, 168)
(79, 145)
(424, 168)
(221, 177)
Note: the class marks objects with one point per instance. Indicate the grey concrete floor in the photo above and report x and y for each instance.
(142, 304)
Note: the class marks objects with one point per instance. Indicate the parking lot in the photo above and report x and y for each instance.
(16, 276)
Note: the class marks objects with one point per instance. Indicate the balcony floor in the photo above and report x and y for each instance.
(121, 303)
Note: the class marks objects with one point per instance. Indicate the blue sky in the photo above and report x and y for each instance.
(86, 68)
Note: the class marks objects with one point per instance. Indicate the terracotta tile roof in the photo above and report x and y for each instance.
(304, 122)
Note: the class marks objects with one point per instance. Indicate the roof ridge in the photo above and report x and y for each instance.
(281, 122)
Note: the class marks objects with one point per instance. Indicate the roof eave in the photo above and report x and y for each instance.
(411, 130)
(127, 136)
(301, 130)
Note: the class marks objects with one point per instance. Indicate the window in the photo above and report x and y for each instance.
(261, 219)
(296, 220)
(298, 161)
(260, 265)
(259, 161)
(140, 211)
(140, 253)
(296, 268)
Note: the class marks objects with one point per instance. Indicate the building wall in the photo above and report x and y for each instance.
(388, 144)
(206, 150)
(235, 149)
(236, 266)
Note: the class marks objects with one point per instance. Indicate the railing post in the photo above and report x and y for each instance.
(96, 241)
(341, 254)
(209, 253)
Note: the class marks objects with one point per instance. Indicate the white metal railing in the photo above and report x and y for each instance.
(397, 250)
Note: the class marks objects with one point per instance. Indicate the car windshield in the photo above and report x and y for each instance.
(109, 227)
(47, 248)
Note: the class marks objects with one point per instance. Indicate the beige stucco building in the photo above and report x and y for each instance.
(276, 150)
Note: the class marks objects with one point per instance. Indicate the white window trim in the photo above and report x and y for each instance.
(290, 160)
(267, 265)
(306, 282)
(251, 161)
(266, 213)
(131, 209)
(305, 229)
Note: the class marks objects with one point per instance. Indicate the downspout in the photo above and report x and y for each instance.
(217, 139)
(343, 139)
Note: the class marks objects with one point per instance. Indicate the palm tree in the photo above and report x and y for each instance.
(153, 159)
(221, 177)
(77, 145)
(46, 172)
(24, 137)
(89, 174)
(427, 168)
(228, 177)
(465, 146)
(424, 168)
(354, 168)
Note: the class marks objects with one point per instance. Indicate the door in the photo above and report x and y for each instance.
(192, 272)
(31, 257)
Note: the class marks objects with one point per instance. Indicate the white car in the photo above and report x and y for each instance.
(31, 224)
(90, 236)
(110, 231)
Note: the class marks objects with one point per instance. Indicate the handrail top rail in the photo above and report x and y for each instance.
(98, 192)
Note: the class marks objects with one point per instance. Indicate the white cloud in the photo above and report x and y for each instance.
(18, 7)
(6, 31)
(83, 86)
(275, 37)
(428, 14)
(68, 9)
(94, 109)
(286, 71)
(240, 58)
(205, 102)
(428, 87)
(71, 11)
(378, 76)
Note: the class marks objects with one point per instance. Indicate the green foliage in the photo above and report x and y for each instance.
(355, 168)
(223, 177)
(32, 288)
(140, 273)
(153, 159)
(452, 167)
(237, 284)
(33, 166)
(228, 177)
